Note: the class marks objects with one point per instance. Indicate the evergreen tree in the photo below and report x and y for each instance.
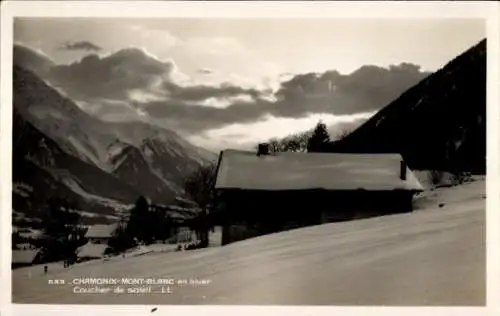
(147, 223)
(139, 223)
(121, 239)
(320, 140)
(161, 224)
(61, 229)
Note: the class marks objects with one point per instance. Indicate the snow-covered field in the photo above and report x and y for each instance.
(433, 256)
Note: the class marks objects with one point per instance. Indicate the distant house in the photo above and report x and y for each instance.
(91, 251)
(260, 192)
(182, 214)
(98, 237)
(27, 257)
(186, 203)
(25, 246)
(177, 214)
(100, 234)
(183, 235)
(31, 234)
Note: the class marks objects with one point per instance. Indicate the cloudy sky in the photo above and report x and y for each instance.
(232, 83)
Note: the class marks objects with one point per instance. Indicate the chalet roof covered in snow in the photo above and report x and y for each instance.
(35, 234)
(303, 171)
(92, 250)
(24, 256)
(100, 231)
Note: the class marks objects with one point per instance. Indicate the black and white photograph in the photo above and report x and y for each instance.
(258, 161)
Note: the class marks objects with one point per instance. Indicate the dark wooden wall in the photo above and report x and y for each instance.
(271, 211)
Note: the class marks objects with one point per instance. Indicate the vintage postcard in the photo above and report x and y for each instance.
(175, 154)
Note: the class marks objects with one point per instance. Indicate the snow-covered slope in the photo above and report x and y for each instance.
(31, 59)
(155, 159)
(132, 167)
(55, 115)
(41, 169)
(431, 257)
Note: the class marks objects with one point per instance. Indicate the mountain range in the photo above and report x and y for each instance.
(59, 149)
(440, 123)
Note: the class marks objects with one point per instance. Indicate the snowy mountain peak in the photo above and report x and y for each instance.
(116, 161)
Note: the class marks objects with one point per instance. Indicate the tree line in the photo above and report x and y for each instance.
(63, 232)
(315, 140)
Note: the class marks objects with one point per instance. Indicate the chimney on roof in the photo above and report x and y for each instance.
(402, 170)
(263, 149)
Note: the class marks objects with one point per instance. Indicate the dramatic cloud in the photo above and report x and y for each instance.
(366, 90)
(80, 45)
(135, 75)
(196, 118)
(134, 84)
(113, 76)
(202, 92)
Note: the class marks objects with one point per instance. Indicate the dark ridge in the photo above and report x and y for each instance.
(440, 123)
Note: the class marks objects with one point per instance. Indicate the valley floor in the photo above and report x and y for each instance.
(434, 256)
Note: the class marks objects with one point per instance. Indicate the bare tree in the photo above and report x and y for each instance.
(435, 176)
(297, 142)
(294, 143)
(460, 177)
(275, 145)
(200, 186)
